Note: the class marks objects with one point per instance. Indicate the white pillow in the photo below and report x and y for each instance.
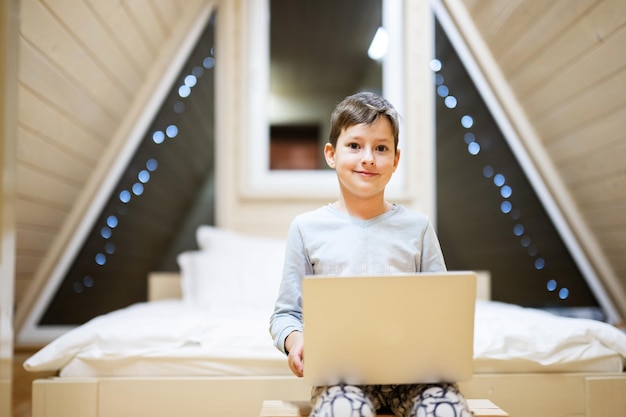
(233, 272)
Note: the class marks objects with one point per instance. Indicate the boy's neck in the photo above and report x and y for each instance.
(363, 209)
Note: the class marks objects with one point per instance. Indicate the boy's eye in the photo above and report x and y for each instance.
(353, 145)
(381, 148)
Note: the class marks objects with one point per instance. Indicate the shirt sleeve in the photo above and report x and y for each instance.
(287, 316)
(432, 256)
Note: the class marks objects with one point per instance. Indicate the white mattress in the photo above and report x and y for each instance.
(170, 338)
(190, 363)
(187, 361)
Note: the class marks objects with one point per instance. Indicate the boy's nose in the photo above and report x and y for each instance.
(368, 158)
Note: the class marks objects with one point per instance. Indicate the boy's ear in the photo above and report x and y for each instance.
(396, 160)
(329, 154)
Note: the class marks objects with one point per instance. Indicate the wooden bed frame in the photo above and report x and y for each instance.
(520, 394)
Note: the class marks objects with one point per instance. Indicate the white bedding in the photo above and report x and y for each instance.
(510, 338)
(173, 338)
(220, 327)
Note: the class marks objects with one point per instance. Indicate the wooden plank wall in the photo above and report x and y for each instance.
(566, 63)
(81, 65)
(8, 75)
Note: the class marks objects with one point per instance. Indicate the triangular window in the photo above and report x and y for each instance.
(488, 214)
(152, 213)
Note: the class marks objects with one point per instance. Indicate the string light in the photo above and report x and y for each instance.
(143, 176)
(499, 180)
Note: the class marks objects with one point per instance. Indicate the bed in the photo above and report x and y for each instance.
(200, 347)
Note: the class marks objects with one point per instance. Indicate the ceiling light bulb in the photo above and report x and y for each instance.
(379, 45)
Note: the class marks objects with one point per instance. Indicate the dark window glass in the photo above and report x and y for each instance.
(318, 53)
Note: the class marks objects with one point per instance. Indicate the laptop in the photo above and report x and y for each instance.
(389, 329)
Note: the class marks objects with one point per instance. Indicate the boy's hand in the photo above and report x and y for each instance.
(294, 344)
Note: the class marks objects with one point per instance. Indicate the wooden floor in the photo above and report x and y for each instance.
(22, 382)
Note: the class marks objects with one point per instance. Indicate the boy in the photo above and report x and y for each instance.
(360, 233)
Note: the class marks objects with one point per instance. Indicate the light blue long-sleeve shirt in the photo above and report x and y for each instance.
(330, 242)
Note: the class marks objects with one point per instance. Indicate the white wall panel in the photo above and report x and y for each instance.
(65, 54)
(38, 115)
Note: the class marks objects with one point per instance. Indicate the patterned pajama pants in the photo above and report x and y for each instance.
(419, 400)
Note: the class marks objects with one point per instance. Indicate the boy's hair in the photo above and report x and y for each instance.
(362, 108)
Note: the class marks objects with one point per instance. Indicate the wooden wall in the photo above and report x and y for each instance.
(8, 75)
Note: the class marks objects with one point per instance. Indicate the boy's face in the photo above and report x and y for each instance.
(364, 158)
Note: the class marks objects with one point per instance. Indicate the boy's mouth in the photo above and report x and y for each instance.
(366, 173)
